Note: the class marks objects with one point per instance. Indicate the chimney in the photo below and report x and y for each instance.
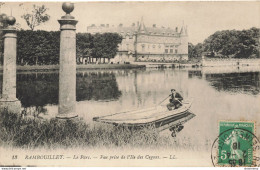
(176, 29)
(120, 25)
(107, 25)
(154, 25)
(133, 24)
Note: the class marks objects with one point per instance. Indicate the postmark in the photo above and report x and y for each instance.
(236, 145)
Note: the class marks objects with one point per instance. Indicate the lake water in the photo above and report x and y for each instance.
(218, 93)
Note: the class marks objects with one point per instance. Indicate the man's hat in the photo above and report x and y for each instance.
(172, 89)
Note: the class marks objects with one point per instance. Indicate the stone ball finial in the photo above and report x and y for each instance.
(11, 20)
(67, 7)
(3, 17)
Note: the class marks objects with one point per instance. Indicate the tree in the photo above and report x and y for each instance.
(43, 48)
(84, 45)
(233, 43)
(36, 17)
(105, 45)
(195, 51)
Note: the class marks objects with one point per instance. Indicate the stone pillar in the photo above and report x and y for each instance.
(8, 100)
(67, 72)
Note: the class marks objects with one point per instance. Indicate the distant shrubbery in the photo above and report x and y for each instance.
(229, 44)
(38, 47)
(43, 48)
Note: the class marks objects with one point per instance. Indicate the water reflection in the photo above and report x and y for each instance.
(97, 86)
(236, 81)
(195, 73)
(40, 89)
(37, 89)
(218, 94)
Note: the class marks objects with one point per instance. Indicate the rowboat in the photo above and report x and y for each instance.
(159, 116)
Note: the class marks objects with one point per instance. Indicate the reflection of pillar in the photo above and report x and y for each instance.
(9, 100)
(67, 74)
(203, 63)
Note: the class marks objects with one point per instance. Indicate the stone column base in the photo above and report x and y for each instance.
(12, 106)
(67, 116)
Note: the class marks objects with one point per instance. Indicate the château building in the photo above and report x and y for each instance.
(141, 43)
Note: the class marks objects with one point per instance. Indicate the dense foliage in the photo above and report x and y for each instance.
(105, 45)
(229, 44)
(195, 51)
(84, 45)
(42, 47)
(38, 47)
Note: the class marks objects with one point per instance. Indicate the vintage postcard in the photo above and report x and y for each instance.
(130, 83)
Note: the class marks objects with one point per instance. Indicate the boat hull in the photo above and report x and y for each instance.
(157, 116)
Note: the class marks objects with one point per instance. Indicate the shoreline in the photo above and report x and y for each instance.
(78, 67)
(134, 65)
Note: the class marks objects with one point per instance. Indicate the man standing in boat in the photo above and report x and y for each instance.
(175, 100)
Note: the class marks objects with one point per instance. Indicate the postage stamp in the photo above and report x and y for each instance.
(236, 145)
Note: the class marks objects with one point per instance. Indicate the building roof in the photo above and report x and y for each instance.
(139, 29)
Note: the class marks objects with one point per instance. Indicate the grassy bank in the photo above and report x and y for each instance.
(88, 66)
(54, 133)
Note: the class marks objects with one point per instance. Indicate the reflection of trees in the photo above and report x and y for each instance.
(236, 82)
(195, 73)
(97, 86)
(36, 90)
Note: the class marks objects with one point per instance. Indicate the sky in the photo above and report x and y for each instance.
(202, 18)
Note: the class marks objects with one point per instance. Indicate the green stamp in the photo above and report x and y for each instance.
(235, 145)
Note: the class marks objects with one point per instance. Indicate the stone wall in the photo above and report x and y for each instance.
(122, 58)
(207, 62)
(161, 58)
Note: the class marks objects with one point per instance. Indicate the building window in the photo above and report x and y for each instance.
(176, 51)
(166, 50)
(143, 46)
(171, 50)
(153, 46)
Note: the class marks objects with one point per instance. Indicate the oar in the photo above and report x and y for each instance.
(164, 99)
(179, 101)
